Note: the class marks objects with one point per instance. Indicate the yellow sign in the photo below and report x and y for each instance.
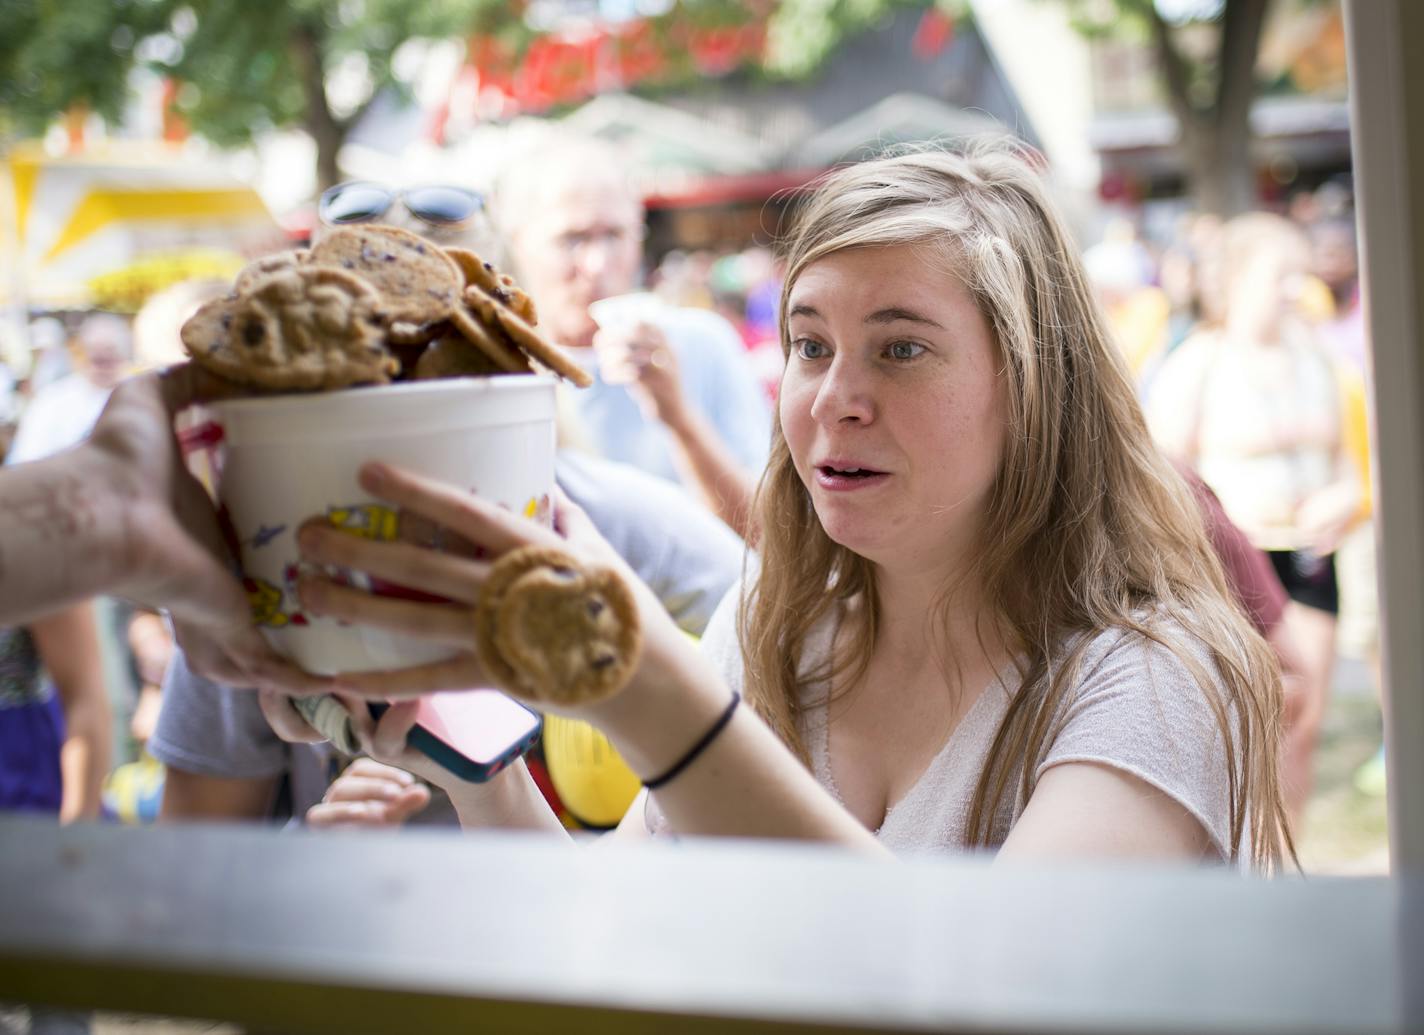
(112, 226)
(125, 290)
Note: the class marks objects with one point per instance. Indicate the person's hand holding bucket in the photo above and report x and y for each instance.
(286, 460)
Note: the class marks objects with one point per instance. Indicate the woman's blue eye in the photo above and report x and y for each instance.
(808, 349)
(904, 350)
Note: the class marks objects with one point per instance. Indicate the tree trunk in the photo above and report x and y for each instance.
(325, 128)
(1225, 181)
(1221, 177)
(328, 174)
(1241, 25)
(1216, 141)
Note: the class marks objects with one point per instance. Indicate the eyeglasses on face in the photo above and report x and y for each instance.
(362, 202)
(612, 236)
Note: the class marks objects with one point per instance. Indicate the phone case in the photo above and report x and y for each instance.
(472, 733)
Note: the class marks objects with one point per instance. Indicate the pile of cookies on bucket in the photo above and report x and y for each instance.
(368, 305)
(373, 304)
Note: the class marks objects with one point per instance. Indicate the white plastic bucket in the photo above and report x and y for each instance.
(284, 459)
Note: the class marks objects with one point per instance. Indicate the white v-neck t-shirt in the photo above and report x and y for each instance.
(1133, 706)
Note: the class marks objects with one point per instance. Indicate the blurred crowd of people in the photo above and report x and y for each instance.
(744, 287)
(1246, 337)
(79, 689)
(1248, 341)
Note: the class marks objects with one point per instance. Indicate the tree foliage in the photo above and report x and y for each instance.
(245, 67)
(57, 56)
(802, 34)
(1210, 94)
(248, 67)
(263, 64)
(248, 64)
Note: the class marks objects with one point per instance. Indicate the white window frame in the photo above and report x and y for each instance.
(422, 932)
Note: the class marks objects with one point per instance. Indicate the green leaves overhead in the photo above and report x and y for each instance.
(245, 62)
(59, 54)
(802, 34)
(242, 68)
(236, 59)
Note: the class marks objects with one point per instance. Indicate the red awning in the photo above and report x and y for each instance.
(725, 190)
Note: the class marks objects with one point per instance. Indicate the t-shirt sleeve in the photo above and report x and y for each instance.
(733, 399)
(214, 730)
(1139, 709)
(682, 551)
(700, 562)
(720, 645)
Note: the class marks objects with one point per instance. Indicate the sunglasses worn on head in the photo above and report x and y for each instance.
(356, 202)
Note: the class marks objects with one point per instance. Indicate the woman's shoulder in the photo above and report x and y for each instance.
(1150, 638)
(1150, 702)
(1158, 670)
(721, 641)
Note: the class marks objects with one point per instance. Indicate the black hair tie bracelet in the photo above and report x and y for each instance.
(697, 749)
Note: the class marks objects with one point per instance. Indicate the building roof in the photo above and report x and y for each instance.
(898, 119)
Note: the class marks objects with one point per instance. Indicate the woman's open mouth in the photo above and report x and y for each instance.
(844, 478)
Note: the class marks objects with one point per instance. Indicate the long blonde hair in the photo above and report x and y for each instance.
(1087, 528)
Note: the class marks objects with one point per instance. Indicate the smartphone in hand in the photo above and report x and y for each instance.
(472, 733)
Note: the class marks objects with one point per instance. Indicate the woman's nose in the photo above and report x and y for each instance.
(843, 396)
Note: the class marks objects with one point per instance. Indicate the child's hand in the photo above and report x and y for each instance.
(369, 794)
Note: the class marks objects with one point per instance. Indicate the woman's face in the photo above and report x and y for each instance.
(892, 404)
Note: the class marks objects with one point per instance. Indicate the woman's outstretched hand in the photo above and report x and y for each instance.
(455, 577)
(745, 781)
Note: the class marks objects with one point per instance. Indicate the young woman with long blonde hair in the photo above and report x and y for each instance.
(984, 613)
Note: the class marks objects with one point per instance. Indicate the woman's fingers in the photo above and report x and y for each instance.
(371, 793)
(285, 721)
(371, 769)
(441, 574)
(363, 788)
(435, 623)
(459, 673)
(385, 738)
(364, 814)
(478, 520)
(343, 813)
(388, 737)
